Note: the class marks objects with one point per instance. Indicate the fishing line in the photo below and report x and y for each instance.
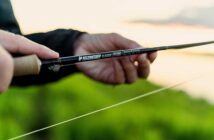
(111, 106)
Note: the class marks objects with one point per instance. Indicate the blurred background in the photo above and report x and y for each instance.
(183, 113)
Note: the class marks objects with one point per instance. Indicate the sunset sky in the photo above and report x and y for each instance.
(42, 15)
(116, 15)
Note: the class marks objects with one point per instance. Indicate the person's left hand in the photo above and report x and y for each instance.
(117, 70)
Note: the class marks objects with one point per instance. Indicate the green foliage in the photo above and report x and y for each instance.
(165, 116)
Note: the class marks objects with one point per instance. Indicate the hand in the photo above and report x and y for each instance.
(11, 43)
(116, 70)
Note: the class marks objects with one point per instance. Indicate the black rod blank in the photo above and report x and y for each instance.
(118, 53)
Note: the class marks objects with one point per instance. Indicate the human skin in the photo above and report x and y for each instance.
(12, 43)
(110, 71)
(117, 70)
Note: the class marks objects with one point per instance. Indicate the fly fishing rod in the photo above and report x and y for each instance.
(31, 65)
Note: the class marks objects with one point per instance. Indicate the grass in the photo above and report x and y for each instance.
(165, 116)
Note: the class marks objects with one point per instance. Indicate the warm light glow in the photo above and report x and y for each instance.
(42, 15)
(112, 16)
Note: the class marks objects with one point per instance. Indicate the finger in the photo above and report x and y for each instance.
(19, 44)
(129, 70)
(123, 43)
(152, 56)
(143, 66)
(6, 72)
(119, 76)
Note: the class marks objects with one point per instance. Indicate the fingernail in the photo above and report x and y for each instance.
(54, 54)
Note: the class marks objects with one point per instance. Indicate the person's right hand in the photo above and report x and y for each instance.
(12, 43)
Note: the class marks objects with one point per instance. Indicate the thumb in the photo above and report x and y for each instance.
(6, 66)
(19, 44)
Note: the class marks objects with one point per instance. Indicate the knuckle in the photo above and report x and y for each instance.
(10, 34)
(18, 37)
(39, 49)
(132, 43)
(114, 35)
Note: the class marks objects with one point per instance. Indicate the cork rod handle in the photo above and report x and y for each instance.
(27, 65)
